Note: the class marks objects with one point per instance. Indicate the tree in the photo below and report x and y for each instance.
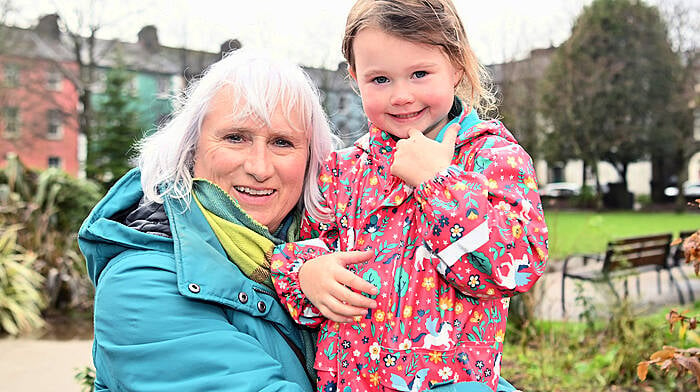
(517, 85)
(115, 130)
(674, 150)
(73, 35)
(605, 92)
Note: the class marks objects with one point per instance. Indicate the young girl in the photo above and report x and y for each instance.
(447, 203)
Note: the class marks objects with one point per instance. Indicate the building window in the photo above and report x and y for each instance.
(99, 85)
(557, 174)
(55, 162)
(163, 85)
(133, 86)
(54, 80)
(10, 116)
(54, 119)
(11, 72)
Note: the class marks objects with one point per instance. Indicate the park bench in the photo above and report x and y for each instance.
(623, 258)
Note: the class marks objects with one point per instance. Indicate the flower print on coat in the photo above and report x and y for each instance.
(444, 310)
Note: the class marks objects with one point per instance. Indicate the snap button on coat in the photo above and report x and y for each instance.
(262, 307)
(194, 287)
(243, 297)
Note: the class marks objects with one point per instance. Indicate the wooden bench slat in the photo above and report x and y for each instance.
(636, 240)
(662, 248)
(659, 260)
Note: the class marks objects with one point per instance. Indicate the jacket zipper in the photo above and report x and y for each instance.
(297, 352)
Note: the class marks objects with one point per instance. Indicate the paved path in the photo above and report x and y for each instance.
(46, 365)
(42, 365)
(549, 293)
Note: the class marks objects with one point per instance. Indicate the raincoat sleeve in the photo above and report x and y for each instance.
(484, 226)
(151, 338)
(318, 238)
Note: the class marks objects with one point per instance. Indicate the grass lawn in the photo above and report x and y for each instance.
(587, 231)
(573, 356)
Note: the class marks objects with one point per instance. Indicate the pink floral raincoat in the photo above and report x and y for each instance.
(449, 254)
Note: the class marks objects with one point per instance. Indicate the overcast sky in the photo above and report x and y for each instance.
(307, 31)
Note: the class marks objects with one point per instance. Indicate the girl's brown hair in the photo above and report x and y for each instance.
(430, 22)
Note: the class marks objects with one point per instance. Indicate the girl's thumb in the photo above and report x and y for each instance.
(450, 136)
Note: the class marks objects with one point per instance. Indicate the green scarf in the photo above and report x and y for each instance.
(247, 243)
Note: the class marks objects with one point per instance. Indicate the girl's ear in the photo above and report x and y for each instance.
(457, 77)
(351, 72)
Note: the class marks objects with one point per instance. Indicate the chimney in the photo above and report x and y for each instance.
(148, 38)
(229, 46)
(48, 27)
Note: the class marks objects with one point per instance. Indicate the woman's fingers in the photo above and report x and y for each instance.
(350, 297)
(350, 279)
(354, 282)
(336, 310)
(355, 256)
(334, 289)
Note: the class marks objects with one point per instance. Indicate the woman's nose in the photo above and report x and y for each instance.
(258, 164)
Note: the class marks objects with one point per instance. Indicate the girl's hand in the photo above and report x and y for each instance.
(329, 285)
(418, 158)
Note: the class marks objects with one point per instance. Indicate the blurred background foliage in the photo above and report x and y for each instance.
(41, 268)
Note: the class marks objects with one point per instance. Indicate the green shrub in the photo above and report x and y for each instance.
(50, 206)
(587, 198)
(21, 301)
(85, 377)
(643, 200)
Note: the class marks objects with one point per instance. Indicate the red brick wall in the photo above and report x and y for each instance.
(33, 98)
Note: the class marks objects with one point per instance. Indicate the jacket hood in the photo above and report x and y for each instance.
(102, 236)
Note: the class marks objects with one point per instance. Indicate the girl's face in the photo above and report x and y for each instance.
(403, 85)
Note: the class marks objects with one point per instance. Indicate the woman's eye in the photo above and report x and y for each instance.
(234, 138)
(283, 143)
(420, 74)
(380, 80)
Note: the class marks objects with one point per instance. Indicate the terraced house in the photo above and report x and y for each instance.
(53, 81)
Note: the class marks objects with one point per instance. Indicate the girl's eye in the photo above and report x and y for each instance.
(380, 80)
(420, 74)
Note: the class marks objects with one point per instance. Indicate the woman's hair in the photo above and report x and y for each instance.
(430, 22)
(166, 158)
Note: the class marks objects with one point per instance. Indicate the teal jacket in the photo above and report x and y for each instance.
(174, 314)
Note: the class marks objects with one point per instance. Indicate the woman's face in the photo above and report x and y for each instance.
(261, 167)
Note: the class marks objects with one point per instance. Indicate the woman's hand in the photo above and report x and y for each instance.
(333, 289)
(418, 158)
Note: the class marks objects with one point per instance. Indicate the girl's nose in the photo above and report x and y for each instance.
(401, 96)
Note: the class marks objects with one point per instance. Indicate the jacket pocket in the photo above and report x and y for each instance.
(402, 369)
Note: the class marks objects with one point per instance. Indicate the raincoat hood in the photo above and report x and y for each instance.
(103, 236)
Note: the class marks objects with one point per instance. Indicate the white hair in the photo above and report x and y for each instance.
(166, 158)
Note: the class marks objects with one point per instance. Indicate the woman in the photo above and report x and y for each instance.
(177, 248)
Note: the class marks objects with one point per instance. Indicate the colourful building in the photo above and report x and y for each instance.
(44, 82)
(38, 104)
